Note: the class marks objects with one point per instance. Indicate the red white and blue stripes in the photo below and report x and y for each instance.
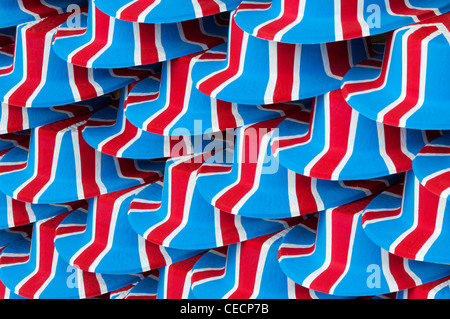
(250, 70)
(337, 142)
(107, 42)
(310, 21)
(164, 11)
(404, 89)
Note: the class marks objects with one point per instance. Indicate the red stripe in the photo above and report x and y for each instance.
(86, 89)
(46, 147)
(381, 214)
(177, 73)
(423, 291)
(349, 18)
(234, 52)
(295, 251)
(229, 232)
(400, 8)
(45, 237)
(101, 34)
(64, 230)
(176, 277)
(393, 146)
(349, 88)
(285, 71)
(148, 50)
(179, 176)
(114, 145)
(192, 30)
(342, 221)
(102, 225)
(303, 189)
(302, 117)
(38, 8)
(248, 256)
(413, 76)
(339, 58)
(20, 213)
(427, 217)
(35, 44)
(399, 273)
(249, 162)
(225, 115)
(288, 16)
(91, 284)
(340, 114)
(87, 167)
(132, 12)
(435, 149)
(154, 255)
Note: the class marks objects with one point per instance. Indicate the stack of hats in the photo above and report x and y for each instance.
(185, 149)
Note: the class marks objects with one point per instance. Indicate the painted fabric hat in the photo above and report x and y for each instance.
(250, 70)
(410, 221)
(431, 166)
(59, 158)
(408, 87)
(338, 142)
(16, 118)
(14, 12)
(165, 11)
(109, 131)
(173, 106)
(107, 42)
(438, 289)
(251, 182)
(39, 78)
(340, 259)
(248, 270)
(102, 241)
(174, 214)
(328, 21)
(34, 270)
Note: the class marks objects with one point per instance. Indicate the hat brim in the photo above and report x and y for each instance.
(431, 166)
(122, 50)
(203, 114)
(167, 11)
(411, 225)
(304, 254)
(272, 198)
(75, 234)
(63, 83)
(204, 226)
(250, 87)
(124, 140)
(299, 25)
(14, 213)
(374, 103)
(111, 177)
(383, 147)
(19, 118)
(13, 275)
